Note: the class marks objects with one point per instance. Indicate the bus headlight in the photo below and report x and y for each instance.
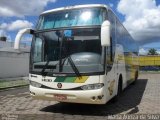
(35, 84)
(92, 86)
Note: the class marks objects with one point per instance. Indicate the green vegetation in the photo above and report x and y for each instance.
(12, 83)
(152, 51)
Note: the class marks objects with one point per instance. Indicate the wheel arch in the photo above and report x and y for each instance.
(120, 82)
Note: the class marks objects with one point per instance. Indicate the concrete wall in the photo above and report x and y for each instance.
(6, 44)
(13, 64)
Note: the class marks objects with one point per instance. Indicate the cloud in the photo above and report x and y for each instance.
(16, 25)
(158, 51)
(143, 51)
(141, 19)
(2, 33)
(21, 8)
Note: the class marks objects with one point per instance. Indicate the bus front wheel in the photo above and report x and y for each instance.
(119, 89)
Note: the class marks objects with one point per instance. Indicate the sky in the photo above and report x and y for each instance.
(140, 17)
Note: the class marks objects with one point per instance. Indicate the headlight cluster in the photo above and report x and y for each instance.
(92, 86)
(35, 84)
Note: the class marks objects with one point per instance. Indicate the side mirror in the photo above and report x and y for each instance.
(105, 33)
(19, 36)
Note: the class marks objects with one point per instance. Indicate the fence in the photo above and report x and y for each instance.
(149, 60)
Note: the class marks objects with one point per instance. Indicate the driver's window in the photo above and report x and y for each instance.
(38, 50)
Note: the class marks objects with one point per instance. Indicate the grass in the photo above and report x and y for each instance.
(4, 84)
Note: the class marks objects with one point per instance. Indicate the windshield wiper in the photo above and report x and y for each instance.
(46, 66)
(75, 69)
(61, 63)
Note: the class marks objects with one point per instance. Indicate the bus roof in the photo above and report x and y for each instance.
(74, 7)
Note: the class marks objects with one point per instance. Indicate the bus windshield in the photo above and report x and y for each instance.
(70, 18)
(82, 45)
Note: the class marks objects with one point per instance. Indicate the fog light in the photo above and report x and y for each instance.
(100, 97)
(93, 98)
(32, 93)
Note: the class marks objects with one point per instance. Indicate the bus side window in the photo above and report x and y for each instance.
(112, 20)
(108, 59)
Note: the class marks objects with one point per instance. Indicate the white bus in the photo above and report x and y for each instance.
(80, 54)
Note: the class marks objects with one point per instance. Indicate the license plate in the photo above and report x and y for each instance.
(60, 97)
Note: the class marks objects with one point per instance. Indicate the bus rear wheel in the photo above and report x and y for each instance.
(136, 78)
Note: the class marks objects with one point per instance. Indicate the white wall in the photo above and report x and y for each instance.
(13, 64)
(4, 44)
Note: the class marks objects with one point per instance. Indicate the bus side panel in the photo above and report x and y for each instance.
(130, 52)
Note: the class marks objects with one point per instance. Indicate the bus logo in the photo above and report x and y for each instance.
(59, 85)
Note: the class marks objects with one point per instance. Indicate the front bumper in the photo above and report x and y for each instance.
(97, 96)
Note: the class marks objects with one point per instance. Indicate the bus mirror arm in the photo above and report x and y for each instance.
(105, 33)
(19, 36)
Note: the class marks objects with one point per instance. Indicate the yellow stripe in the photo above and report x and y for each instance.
(81, 79)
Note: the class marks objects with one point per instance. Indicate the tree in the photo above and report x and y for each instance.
(152, 51)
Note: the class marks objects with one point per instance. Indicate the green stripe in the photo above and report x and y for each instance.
(60, 79)
(70, 79)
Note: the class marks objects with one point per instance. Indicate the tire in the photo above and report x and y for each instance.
(119, 90)
(136, 78)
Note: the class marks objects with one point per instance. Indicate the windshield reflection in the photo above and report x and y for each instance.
(51, 50)
(70, 18)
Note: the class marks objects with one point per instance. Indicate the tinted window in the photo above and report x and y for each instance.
(75, 17)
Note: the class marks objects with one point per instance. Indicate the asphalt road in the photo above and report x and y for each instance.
(138, 99)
